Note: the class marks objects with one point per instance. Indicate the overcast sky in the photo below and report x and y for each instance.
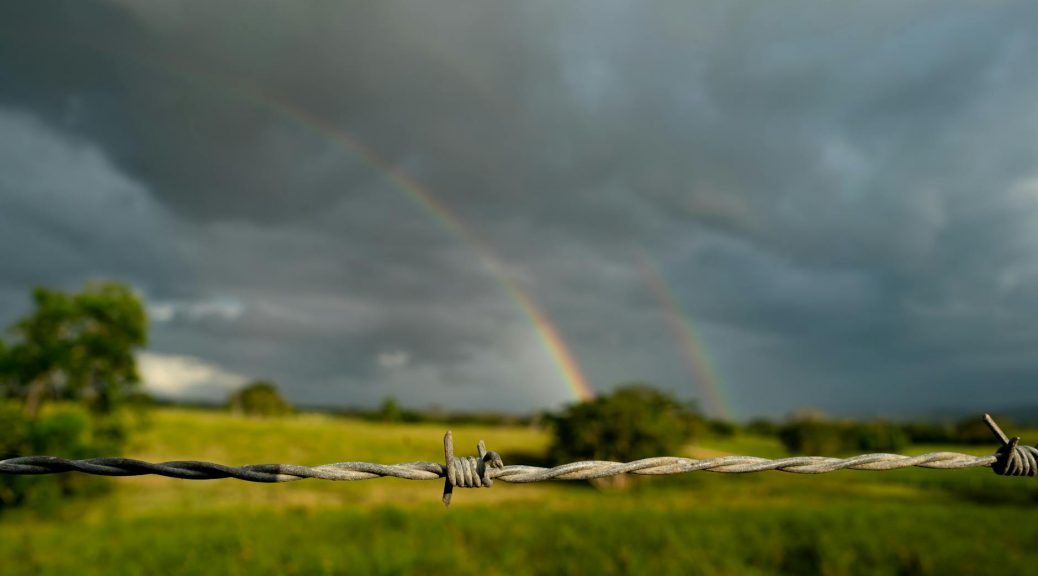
(840, 199)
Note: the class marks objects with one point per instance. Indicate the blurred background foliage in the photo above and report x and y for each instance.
(259, 398)
(74, 350)
(77, 346)
(69, 430)
(635, 421)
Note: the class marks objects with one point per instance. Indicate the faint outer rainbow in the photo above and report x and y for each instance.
(690, 345)
(549, 335)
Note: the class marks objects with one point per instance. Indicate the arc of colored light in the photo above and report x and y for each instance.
(548, 334)
(546, 330)
(555, 345)
(690, 345)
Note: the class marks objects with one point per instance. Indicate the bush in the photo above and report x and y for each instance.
(813, 437)
(818, 437)
(928, 433)
(261, 398)
(762, 427)
(389, 411)
(636, 421)
(67, 431)
(975, 431)
(722, 428)
(971, 430)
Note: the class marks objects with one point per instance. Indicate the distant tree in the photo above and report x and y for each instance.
(876, 437)
(813, 437)
(260, 398)
(762, 427)
(636, 421)
(77, 346)
(927, 432)
(820, 437)
(389, 411)
(721, 428)
(974, 431)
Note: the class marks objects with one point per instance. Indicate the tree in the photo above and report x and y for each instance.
(73, 346)
(389, 411)
(260, 398)
(636, 421)
(77, 346)
(820, 437)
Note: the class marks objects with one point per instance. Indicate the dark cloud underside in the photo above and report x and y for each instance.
(841, 196)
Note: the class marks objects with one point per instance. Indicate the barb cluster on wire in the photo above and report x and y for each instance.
(1011, 459)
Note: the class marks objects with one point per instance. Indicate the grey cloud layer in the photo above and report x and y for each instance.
(841, 196)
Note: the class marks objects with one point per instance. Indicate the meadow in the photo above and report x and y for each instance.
(904, 522)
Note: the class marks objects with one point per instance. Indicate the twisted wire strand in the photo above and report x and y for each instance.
(1011, 459)
(193, 470)
(587, 470)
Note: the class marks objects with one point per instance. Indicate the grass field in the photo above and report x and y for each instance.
(904, 522)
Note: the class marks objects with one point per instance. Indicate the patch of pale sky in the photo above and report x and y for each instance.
(181, 377)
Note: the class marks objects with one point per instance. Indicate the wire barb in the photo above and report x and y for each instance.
(467, 472)
(1011, 459)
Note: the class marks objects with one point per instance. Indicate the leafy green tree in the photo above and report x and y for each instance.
(636, 421)
(389, 411)
(77, 346)
(260, 398)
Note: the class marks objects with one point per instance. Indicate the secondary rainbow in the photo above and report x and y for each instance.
(690, 346)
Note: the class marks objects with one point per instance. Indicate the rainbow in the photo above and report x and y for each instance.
(548, 334)
(689, 343)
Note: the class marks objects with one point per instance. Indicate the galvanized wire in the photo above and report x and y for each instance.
(1011, 459)
(587, 470)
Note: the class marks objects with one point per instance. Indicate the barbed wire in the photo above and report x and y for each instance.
(1011, 459)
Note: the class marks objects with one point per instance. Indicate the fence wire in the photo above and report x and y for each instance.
(1011, 459)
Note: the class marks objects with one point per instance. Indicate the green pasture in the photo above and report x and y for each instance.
(903, 522)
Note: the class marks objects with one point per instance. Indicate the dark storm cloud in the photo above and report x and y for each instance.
(842, 197)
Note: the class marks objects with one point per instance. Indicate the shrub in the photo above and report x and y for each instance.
(389, 411)
(826, 438)
(636, 421)
(762, 427)
(68, 431)
(722, 428)
(261, 398)
(814, 437)
(928, 433)
(975, 431)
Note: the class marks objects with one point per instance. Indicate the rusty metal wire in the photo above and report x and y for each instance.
(1011, 459)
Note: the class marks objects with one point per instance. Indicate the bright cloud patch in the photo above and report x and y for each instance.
(222, 308)
(186, 377)
(393, 359)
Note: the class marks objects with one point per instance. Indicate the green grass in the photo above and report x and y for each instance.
(903, 522)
